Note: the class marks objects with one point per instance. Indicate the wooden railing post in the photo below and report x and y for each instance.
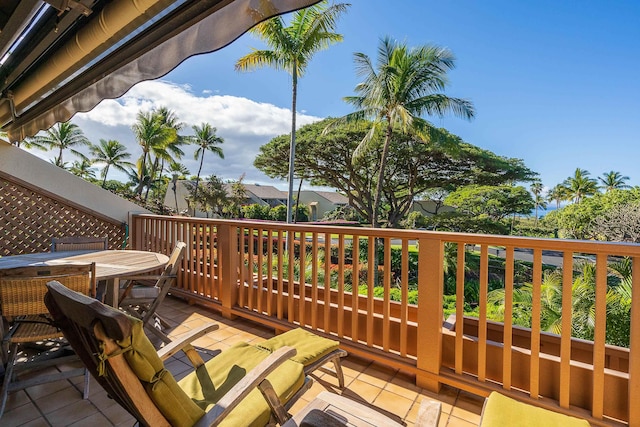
(634, 346)
(228, 267)
(429, 333)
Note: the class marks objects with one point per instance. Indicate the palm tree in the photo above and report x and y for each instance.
(557, 194)
(150, 131)
(111, 153)
(82, 168)
(206, 139)
(61, 137)
(404, 85)
(580, 185)
(536, 190)
(291, 49)
(613, 180)
(177, 171)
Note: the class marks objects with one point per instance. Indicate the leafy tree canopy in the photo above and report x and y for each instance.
(494, 202)
(413, 167)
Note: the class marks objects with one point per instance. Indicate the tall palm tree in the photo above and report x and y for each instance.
(404, 85)
(150, 131)
(206, 139)
(111, 153)
(536, 190)
(580, 185)
(291, 49)
(63, 136)
(613, 180)
(557, 194)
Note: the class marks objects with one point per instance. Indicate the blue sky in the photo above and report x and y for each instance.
(555, 83)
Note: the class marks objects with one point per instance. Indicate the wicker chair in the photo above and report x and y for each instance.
(25, 320)
(79, 243)
(141, 296)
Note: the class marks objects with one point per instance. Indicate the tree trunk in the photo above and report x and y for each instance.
(292, 145)
(195, 192)
(295, 213)
(106, 171)
(143, 166)
(383, 160)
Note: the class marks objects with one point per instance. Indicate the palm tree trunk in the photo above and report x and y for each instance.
(292, 145)
(106, 171)
(295, 213)
(195, 192)
(383, 160)
(143, 166)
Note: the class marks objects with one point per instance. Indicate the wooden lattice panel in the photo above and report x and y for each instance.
(29, 219)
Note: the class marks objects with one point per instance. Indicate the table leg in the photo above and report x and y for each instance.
(111, 297)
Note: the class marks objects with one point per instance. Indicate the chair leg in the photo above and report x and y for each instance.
(159, 334)
(85, 389)
(338, 368)
(8, 374)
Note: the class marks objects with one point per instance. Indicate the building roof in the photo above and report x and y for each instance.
(265, 192)
(334, 197)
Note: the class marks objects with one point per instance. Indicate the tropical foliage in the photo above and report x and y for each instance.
(290, 49)
(404, 85)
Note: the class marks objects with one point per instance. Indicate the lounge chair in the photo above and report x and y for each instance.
(243, 385)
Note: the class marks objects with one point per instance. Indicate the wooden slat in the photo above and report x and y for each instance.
(355, 281)
(508, 318)
(250, 267)
(482, 320)
(404, 310)
(280, 284)
(599, 336)
(314, 282)
(243, 297)
(386, 308)
(261, 277)
(269, 272)
(327, 283)
(459, 308)
(534, 368)
(634, 345)
(303, 280)
(291, 262)
(340, 312)
(370, 285)
(565, 338)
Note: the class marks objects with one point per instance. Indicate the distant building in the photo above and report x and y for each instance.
(321, 202)
(256, 194)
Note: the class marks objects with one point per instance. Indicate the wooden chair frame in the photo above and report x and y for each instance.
(79, 243)
(145, 308)
(89, 325)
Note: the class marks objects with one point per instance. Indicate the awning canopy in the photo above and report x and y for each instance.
(60, 57)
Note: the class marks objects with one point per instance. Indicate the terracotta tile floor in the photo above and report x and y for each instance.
(387, 390)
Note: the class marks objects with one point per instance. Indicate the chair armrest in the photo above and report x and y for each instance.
(177, 345)
(247, 384)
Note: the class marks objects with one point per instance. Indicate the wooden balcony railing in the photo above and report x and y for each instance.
(301, 275)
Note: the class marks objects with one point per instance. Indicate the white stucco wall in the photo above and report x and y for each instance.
(28, 168)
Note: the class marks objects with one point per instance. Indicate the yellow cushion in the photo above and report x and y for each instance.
(500, 410)
(173, 403)
(227, 368)
(309, 347)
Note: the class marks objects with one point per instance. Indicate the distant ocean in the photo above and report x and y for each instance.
(543, 212)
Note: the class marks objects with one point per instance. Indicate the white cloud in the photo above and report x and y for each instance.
(244, 124)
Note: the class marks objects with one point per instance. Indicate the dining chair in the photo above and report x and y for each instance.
(242, 385)
(29, 340)
(140, 296)
(79, 243)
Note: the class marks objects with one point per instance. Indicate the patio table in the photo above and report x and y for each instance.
(110, 264)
